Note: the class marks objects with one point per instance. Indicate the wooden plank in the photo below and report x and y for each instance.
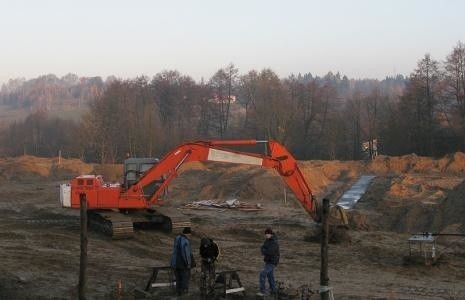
(236, 290)
(163, 284)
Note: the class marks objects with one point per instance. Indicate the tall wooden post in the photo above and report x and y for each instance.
(324, 280)
(83, 258)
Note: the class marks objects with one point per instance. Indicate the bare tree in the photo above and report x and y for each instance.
(354, 116)
(223, 84)
(455, 81)
(271, 113)
(418, 105)
(248, 93)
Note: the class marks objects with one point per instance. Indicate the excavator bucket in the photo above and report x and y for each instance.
(338, 217)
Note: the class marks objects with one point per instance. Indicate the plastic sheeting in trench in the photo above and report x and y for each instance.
(351, 197)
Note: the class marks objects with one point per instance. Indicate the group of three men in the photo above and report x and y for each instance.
(182, 261)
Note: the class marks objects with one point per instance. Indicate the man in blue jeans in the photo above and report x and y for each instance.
(182, 261)
(270, 252)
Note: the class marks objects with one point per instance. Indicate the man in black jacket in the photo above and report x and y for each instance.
(270, 252)
(209, 252)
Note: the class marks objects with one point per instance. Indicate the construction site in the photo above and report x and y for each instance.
(233, 204)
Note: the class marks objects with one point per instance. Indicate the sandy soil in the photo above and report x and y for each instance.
(39, 241)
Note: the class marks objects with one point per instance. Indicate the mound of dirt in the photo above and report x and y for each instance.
(452, 163)
(195, 165)
(225, 181)
(33, 168)
(452, 209)
(405, 186)
(110, 172)
(321, 174)
(358, 220)
(402, 164)
(411, 203)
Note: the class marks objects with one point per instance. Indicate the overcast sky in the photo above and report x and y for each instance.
(362, 39)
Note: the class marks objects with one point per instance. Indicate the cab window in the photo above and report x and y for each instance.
(145, 167)
(131, 171)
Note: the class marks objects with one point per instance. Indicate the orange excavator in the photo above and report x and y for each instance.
(116, 208)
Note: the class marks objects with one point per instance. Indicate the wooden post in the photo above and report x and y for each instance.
(83, 258)
(324, 280)
(119, 290)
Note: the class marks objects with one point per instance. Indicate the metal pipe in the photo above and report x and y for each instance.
(235, 142)
(182, 161)
(439, 234)
(448, 234)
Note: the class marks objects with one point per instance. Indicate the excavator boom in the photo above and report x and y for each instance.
(278, 158)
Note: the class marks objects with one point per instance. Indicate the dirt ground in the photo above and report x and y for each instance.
(39, 240)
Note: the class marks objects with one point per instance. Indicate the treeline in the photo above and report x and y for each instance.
(48, 92)
(325, 117)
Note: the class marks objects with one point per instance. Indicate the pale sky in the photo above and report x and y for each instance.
(359, 38)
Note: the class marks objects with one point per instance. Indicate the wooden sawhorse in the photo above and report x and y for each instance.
(224, 282)
(152, 281)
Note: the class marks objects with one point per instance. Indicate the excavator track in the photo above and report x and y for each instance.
(112, 223)
(174, 219)
(168, 218)
(174, 223)
(118, 225)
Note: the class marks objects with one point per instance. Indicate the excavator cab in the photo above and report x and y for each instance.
(135, 167)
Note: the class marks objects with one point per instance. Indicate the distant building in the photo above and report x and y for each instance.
(370, 149)
(224, 99)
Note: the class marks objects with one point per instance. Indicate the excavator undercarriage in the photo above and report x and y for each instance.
(111, 223)
(121, 224)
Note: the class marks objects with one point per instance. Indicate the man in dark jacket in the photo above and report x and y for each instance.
(270, 252)
(209, 252)
(182, 261)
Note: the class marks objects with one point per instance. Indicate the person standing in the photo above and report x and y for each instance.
(270, 252)
(209, 252)
(182, 261)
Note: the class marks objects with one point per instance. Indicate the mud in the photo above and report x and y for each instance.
(39, 241)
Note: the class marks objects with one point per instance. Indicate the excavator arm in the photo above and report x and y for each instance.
(277, 158)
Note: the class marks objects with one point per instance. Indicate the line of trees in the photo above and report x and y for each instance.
(50, 93)
(325, 117)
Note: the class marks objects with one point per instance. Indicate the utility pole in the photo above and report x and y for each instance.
(83, 258)
(324, 280)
